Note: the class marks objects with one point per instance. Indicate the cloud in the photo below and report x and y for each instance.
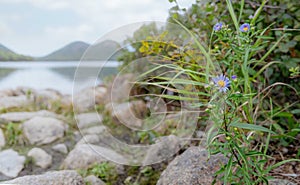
(77, 30)
(89, 20)
(5, 30)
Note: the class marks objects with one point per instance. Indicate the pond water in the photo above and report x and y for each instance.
(62, 76)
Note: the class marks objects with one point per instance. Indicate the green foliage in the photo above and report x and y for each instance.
(13, 134)
(284, 16)
(142, 176)
(104, 171)
(8, 55)
(261, 106)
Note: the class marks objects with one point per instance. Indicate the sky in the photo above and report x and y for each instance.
(38, 27)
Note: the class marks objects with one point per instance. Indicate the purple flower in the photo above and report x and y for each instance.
(233, 77)
(218, 26)
(222, 82)
(245, 27)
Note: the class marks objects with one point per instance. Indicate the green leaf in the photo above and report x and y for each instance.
(281, 163)
(295, 111)
(264, 37)
(228, 170)
(177, 97)
(296, 130)
(283, 114)
(251, 127)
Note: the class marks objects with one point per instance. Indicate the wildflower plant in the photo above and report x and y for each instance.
(236, 98)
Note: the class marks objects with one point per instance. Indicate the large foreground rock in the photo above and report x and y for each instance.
(83, 156)
(43, 130)
(23, 116)
(11, 163)
(65, 177)
(40, 157)
(191, 168)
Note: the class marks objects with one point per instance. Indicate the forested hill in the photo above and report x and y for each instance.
(8, 55)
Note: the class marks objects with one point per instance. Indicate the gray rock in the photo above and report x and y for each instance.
(40, 157)
(64, 177)
(86, 99)
(6, 92)
(23, 116)
(164, 148)
(191, 167)
(22, 91)
(89, 139)
(2, 139)
(93, 130)
(83, 156)
(47, 95)
(62, 148)
(120, 89)
(104, 139)
(11, 163)
(93, 180)
(86, 120)
(43, 130)
(130, 113)
(280, 182)
(170, 122)
(50, 97)
(7, 102)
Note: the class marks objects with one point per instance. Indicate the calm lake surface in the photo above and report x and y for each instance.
(64, 76)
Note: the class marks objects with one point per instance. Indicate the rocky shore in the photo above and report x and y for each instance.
(46, 138)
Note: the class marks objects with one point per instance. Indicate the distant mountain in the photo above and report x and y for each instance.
(8, 55)
(106, 50)
(75, 50)
(72, 51)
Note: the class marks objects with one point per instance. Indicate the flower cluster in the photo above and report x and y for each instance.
(243, 28)
(222, 82)
(218, 26)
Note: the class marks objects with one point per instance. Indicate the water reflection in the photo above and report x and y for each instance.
(54, 75)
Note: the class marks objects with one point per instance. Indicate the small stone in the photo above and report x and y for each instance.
(280, 182)
(130, 113)
(122, 83)
(93, 180)
(8, 102)
(85, 155)
(86, 99)
(43, 130)
(285, 150)
(23, 116)
(93, 130)
(40, 157)
(11, 163)
(62, 148)
(64, 177)
(2, 139)
(163, 149)
(86, 120)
